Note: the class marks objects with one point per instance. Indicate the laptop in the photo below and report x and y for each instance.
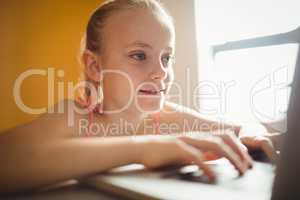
(287, 181)
(265, 181)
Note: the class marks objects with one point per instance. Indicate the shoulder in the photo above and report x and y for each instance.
(171, 109)
(60, 121)
(179, 114)
(64, 117)
(64, 109)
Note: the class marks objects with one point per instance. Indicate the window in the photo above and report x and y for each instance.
(256, 79)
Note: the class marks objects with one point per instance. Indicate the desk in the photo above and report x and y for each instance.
(255, 184)
(70, 190)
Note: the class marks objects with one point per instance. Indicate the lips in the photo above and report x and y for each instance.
(151, 92)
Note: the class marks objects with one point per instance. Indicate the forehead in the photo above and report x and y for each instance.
(125, 27)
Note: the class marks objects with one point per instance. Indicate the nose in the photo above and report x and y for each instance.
(159, 73)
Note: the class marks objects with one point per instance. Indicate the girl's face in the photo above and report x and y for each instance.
(136, 60)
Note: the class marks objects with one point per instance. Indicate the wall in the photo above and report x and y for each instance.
(42, 34)
(186, 65)
(38, 34)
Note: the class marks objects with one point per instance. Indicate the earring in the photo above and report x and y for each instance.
(100, 98)
(100, 95)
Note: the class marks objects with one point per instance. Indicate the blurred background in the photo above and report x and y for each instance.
(42, 34)
(38, 34)
(46, 34)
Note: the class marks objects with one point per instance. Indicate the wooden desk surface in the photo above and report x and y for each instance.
(257, 180)
(71, 190)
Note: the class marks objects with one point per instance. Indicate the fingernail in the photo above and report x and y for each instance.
(241, 173)
(243, 169)
(212, 178)
(248, 164)
(251, 163)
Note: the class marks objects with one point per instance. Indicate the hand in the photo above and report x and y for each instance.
(158, 151)
(223, 143)
(269, 143)
(252, 129)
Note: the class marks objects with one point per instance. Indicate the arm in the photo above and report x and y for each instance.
(189, 120)
(269, 143)
(31, 156)
(31, 164)
(45, 152)
(254, 135)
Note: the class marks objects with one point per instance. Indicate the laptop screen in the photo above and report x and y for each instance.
(287, 181)
(261, 77)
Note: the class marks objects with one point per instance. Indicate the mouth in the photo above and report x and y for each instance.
(152, 92)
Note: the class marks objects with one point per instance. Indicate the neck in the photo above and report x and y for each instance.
(132, 116)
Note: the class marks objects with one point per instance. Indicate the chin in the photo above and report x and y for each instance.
(149, 105)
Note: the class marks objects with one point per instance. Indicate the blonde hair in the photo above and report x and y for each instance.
(93, 38)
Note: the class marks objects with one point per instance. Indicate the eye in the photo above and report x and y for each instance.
(138, 56)
(167, 60)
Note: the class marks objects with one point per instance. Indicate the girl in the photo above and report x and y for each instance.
(127, 57)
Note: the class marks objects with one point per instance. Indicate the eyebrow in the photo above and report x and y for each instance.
(144, 45)
(139, 44)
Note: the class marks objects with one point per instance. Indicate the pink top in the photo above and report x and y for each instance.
(95, 109)
(156, 117)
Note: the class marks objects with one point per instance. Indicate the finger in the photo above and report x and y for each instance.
(237, 131)
(250, 142)
(245, 149)
(231, 140)
(193, 155)
(267, 146)
(218, 146)
(276, 139)
(263, 143)
(232, 156)
(210, 155)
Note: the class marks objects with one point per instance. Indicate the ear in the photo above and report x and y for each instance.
(92, 65)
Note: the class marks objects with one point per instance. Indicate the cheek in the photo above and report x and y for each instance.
(138, 76)
(117, 85)
(170, 78)
(125, 81)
